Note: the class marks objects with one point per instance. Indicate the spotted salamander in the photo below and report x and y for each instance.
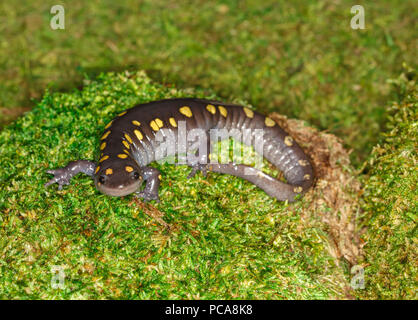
(129, 144)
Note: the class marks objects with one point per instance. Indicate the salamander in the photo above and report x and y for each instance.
(131, 140)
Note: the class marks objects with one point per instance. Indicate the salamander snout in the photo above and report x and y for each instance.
(118, 179)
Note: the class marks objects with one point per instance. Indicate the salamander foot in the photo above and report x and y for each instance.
(146, 196)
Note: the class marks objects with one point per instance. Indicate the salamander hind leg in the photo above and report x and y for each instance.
(198, 167)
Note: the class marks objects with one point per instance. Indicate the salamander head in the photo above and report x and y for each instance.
(118, 178)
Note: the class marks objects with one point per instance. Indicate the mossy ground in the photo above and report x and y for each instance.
(226, 238)
(391, 198)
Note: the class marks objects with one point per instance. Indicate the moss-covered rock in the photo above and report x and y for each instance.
(391, 198)
(226, 238)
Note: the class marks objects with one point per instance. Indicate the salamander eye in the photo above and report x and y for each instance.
(102, 179)
(136, 175)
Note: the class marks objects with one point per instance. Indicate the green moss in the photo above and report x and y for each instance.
(391, 202)
(228, 239)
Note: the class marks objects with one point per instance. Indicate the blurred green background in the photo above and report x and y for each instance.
(300, 58)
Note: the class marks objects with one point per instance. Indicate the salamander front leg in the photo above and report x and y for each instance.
(62, 176)
(152, 177)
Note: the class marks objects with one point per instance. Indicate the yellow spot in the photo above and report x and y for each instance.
(109, 171)
(173, 122)
(159, 122)
(104, 158)
(125, 144)
(122, 113)
(211, 108)
(269, 122)
(103, 145)
(136, 123)
(303, 163)
(307, 177)
(129, 169)
(154, 126)
(105, 135)
(288, 140)
(297, 189)
(122, 156)
(186, 111)
(248, 112)
(223, 111)
(127, 137)
(159, 177)
(138, 134)
(126, 151)
(97, 169)
(109, 124)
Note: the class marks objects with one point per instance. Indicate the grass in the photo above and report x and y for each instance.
(391, 202)
(300, 58)
(227, 239)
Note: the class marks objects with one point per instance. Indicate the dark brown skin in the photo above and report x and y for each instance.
(130, 143)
